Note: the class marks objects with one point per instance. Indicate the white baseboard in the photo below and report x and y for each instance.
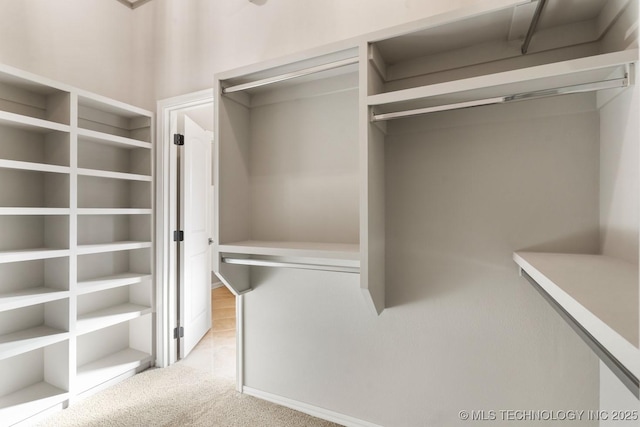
(314, 411)
(217, 285)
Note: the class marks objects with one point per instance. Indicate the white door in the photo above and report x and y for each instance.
(195, 271)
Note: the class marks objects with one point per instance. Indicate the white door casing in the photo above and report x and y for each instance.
(195, 276)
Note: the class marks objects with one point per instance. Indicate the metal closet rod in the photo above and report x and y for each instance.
(566, 90)
(291, 75)
(282, 264)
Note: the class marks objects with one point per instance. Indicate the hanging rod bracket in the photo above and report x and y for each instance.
(544, 93)
(291, 75)
(532, 26)
(283, 264)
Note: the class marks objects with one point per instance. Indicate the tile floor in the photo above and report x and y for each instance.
(216, 352)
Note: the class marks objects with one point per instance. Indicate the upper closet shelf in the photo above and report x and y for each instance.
(114, 140)
(606, 71)
(600, 293)
(30, 123)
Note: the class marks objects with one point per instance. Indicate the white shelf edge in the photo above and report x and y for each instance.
(106, 138)
(35, 211)
(111, 247)
(30, 339)
(113, 211)
(99, 371)
(625, 352)
(100, 319)
(35, 167)
(32, 254)
(347, 252)
(30, 296)
(114, 175)
(20, 120)
(521, 75)
(110, 282)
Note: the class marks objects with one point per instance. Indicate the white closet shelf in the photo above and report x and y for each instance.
(36, 167)
(113, 211)
(30, 339)
(106, 368)
(555, 75)
(113, 140)
(110, 282)
(41, 395)
(329, 251)
(110, 316)
(30, 296)
(32, 254)
(111, 247)
(114, 175)
(35, 211)
(102, 103)
(30, 123)
(599, 292)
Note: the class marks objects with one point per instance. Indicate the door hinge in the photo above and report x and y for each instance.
(178, 236)
(178, 139)
(178, 333)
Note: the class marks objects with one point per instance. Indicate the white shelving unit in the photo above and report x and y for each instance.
(76, 213)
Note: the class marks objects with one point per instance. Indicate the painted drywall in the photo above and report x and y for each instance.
(619, 176)
(192, 40)
(461, 330)
(618, 406)
(84, 43)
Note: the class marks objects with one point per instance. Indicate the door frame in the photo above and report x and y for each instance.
(166, 254)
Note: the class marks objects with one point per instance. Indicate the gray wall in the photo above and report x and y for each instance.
(461, 330)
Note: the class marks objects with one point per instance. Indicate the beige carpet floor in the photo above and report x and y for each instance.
(179, 395)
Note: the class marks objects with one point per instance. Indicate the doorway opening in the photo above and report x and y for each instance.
(197, 320)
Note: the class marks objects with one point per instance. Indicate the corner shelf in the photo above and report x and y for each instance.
(599, 292)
